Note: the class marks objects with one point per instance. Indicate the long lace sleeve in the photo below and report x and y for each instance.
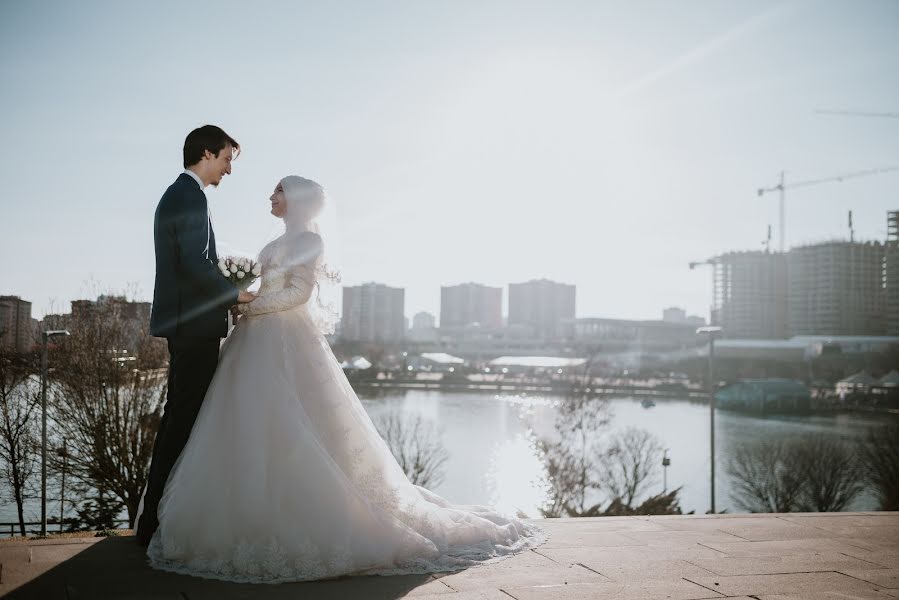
(298, 287)
(296, 270)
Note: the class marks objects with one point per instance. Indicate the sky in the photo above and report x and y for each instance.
(603, 144)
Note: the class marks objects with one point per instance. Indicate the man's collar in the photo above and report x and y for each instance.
(195, 178)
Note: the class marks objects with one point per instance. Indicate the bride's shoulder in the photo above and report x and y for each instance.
(307, 245)
(306, 240)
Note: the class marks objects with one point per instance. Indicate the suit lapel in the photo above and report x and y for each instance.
(213, 254)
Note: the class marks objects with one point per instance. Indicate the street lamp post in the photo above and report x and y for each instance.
(45, 338)
(711, 331)
(666, 462)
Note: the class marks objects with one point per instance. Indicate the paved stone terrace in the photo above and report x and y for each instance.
(766, 557)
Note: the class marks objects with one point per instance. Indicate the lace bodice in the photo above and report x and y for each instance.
(288, 274)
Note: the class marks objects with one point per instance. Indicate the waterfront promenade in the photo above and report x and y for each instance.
(764, 557)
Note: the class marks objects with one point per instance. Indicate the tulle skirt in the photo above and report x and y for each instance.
(285, 477)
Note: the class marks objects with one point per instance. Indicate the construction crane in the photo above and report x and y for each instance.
(781, 188)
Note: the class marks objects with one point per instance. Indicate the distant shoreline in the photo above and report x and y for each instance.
(564, 389)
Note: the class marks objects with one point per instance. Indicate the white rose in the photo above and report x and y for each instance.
(222, 264)
(225, 271)
(257, 270)
(240, 274)
(234, 268)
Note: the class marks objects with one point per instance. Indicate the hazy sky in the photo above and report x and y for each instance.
(604, 144)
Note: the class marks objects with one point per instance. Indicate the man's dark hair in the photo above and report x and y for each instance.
(207, 137)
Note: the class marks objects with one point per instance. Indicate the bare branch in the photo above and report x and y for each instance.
(416, 445)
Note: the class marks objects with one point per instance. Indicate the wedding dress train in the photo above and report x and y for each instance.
(285, 477)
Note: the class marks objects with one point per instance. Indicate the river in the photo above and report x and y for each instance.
(493, 457)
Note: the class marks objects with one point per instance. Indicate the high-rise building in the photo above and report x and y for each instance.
(135, 312)
(679, 315)
(132, 318)
(423, 320)
(837, 288)
(891, 273)
(674, 315)
(16, 331)
(424, 328)
(544, 306)
(373, 312)
(469, 303)
(750, 295)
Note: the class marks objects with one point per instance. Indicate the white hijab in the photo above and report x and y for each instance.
(305, 203)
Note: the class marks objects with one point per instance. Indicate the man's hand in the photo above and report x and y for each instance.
(235, 313)
(243, 297)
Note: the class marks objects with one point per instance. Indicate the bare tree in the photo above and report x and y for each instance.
(630, 464)
(416, 445)
(590, 476)
(573, 457)
(879, 454)
(110, 401)
(810, 473)
(572, 479)
(607, 481)
(763, 476)
(19, 413)
(830, 471)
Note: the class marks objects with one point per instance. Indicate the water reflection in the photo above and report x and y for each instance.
(516, 479)
(493, 458)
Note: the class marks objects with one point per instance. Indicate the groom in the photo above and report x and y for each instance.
(190, 302)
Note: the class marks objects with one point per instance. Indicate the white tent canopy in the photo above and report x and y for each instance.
(547, 362)
(356, 363)
(860, 379)
(442, 358)
(890, 379)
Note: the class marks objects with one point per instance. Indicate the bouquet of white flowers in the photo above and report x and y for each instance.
(239, 270)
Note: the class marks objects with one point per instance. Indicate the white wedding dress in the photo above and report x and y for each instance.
(285, 478)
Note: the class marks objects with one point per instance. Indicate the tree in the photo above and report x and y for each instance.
(112, 380)
(20, 403)
(830, 471)
(763, 477)
(660, 504)
(573, 457)
(591, 477)
(630, 463)
(810, 473)
(879, 454)
(416, 446)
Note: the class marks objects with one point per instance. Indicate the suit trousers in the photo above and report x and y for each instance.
(192, 363)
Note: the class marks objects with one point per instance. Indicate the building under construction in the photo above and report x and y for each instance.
(891, 273)
(837, 288)
(832, 288)
(750, 294)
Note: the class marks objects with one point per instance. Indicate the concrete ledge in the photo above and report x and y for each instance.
(767, 557)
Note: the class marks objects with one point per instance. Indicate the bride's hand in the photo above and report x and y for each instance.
(244, 297)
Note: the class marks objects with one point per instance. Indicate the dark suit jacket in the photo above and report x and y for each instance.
(191, 297)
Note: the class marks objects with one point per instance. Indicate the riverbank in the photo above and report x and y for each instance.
(820, 406)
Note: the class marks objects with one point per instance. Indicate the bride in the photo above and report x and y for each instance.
(285, 478)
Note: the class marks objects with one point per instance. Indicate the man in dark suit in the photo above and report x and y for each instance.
(190, 302)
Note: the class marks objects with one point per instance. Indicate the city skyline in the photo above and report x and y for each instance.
(602, 145)
(409, 315)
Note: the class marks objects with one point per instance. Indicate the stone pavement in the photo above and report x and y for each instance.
(766, 557)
